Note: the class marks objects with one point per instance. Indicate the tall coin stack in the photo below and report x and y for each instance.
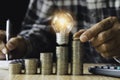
(46, 60)
(77, 62)
(30, 66)
(62, 54)
(62, 60)
(15, 68)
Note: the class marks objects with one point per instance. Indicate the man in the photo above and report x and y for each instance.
(101, 30)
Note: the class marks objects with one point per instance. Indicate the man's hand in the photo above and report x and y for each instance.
(16, 46)
(104, 36)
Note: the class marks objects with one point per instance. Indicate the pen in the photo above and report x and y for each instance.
(7, 35)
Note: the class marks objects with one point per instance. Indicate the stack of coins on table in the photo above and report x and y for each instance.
(77, 62)
(30, 66)
(62, 60)
(15, 68)
(46, 60)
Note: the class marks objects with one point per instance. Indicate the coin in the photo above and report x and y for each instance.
(31, 66)
(62, 60)
(15, 68)
(46, 60)
(77, 55)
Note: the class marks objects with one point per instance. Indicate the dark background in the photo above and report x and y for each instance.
(15, 11)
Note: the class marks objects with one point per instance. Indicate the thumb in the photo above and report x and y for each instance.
(17, 45)
(78, 34)
(12, 44)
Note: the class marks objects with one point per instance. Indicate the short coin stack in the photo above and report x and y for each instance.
(15, 68)
(46, 60)
(62, 60)
(30, 66)
(77, 63)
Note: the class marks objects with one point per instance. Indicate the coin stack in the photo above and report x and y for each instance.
(77, 63)
(46, 61)
(30, 66)
(15, 68)
(62, 60)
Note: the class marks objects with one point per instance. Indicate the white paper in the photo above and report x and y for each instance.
(4, 64)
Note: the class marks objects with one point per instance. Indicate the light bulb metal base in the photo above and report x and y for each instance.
(62, 38)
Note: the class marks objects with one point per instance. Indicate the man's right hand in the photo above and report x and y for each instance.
(104, 37)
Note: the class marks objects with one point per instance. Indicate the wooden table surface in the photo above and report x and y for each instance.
(4, 75)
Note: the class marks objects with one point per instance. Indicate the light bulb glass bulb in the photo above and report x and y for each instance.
(62, 22)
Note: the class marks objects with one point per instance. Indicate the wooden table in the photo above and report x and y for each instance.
(87, 76)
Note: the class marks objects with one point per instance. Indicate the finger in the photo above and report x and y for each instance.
(78, 34)
(2, 34)
(106, 55)
(3, 49)
(1, 53)
(2, 45)
(97, 28)
(111, 53)
(12, 44)
(102, 37)
(2, 56)
(108, 46)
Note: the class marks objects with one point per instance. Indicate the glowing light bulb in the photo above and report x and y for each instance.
(62, 23)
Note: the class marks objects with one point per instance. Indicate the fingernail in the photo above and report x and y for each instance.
(83, 38)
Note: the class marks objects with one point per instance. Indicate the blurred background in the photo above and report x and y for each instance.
(15, 11)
